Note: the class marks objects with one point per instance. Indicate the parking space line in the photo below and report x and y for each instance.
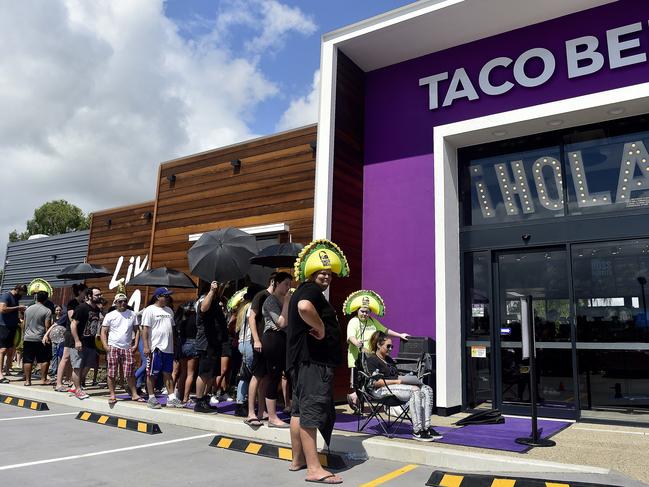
(105, 452)
(39, 416)
(389, 476)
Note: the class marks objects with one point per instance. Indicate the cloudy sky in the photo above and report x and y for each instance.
(94, 94)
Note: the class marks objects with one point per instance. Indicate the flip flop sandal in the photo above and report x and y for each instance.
(112, 401)
(4, 380)
(297, 469)
(253, 423)
(323, 480)
(281, 426)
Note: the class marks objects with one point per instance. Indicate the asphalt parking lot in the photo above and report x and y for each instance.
(53, 448)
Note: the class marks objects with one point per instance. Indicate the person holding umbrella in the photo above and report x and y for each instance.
(211, 331)
(313, 352)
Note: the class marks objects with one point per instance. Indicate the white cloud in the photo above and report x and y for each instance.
(302, 110)
(94, 95)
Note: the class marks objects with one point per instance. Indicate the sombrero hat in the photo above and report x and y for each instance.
(38, 285)
(236, 299)
(319, 255)
(361, 298)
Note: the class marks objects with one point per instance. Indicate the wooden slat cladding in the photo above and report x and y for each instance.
(128, 235)
(257, 147)
(275, 184)
(347, 204)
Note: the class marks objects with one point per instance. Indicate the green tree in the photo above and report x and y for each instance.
(53, 218)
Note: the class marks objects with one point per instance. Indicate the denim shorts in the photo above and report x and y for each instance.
(188, 349)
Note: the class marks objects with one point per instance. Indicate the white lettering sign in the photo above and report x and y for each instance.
(584, 56)
(136, 266)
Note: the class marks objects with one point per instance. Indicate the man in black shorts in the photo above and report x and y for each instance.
(313, 352)
(38, 319)
(256, 388)
(211, 331)
(9, 309)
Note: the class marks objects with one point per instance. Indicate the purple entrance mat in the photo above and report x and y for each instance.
(491, 436)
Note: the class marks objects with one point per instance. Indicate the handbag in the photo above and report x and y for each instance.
(245, 373)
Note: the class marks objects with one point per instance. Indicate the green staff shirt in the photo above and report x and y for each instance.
(361, 331)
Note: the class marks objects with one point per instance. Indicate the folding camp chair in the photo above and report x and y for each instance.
(380, 408)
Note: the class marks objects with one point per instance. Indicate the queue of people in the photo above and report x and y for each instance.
(282, 343)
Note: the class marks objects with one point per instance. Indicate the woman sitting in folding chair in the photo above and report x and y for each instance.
(420, 397)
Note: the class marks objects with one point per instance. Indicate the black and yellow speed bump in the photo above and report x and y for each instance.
(122, 423)
(329, 460)
(23, 403)
(449, 479)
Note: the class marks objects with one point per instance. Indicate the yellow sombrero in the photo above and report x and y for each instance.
(38, 285)
(361, 298)
(318, 255)
(236, 299)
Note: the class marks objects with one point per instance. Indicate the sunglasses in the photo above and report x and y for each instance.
(389, 347)
(121, 301)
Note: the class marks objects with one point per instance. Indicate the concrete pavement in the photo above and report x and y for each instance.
(581, 450)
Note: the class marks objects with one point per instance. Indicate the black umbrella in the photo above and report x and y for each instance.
(222, 255)
(79, 272)
(162, 277)
(279, 255)
(259, 275)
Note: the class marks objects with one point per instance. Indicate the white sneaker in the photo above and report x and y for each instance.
(174, 403)
(225, 398)
(214, 401)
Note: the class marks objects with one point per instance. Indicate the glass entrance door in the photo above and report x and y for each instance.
(543, 274)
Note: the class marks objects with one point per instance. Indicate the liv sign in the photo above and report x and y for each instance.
(584, 56)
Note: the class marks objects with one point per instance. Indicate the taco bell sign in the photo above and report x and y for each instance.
(585, 55)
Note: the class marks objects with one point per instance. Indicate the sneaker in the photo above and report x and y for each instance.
(190, 404)
(214, 401)
(225, 398)
(202, 406)
(164, 391)
(153, 403)
(421, 435)
(174, 403)
(80, 394)
(434, 434)
(72, 390)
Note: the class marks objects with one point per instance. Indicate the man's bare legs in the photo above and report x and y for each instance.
(256, 391)
(303, 446)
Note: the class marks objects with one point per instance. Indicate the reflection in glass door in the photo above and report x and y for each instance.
(542, 274)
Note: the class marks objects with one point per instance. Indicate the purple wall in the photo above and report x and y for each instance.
(398, 220)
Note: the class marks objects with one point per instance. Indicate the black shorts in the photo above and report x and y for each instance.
(259, 369)
(7, 336)
(36, 352)
(274, 350)
(313, 394)
(226, 348)
(209, 361)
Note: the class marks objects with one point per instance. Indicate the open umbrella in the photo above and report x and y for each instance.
(222, 255)
(162, 277)
(278, 255)
(79, 272)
